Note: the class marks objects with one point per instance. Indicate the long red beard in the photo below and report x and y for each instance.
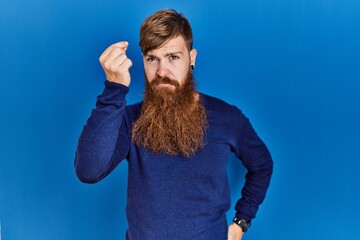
(172, 121)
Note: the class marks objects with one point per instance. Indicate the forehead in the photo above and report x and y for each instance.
(173, 45)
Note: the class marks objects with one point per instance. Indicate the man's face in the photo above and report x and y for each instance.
(172, 60)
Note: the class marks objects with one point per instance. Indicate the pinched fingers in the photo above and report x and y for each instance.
(117, 61)
(116, 64)
(121, 64)
(127, 63)
(121, 47)
(107, 58)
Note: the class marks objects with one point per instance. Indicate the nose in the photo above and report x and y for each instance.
(163, 69)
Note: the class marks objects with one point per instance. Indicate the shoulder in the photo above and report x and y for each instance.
(222, 112)
(218, 105)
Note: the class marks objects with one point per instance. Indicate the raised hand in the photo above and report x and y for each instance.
(116, 64)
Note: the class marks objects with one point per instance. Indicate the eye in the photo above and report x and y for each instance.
(173, 57)
(150, 59)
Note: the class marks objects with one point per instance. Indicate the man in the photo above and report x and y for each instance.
(176, 142)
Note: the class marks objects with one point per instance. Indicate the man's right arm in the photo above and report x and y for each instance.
(104, 141)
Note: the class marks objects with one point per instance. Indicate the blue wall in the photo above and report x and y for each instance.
(292, 66)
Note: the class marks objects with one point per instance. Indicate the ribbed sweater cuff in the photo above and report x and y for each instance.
(113, 94)
(243, 216)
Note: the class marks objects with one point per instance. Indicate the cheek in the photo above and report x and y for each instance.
(149, 72)
(180, 73)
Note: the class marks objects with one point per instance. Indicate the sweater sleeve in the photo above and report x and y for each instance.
(104, 140)
(258, 162)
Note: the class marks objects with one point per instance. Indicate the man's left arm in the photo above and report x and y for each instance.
(258, 162)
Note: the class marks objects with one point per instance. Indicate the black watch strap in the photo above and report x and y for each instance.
(242, 223)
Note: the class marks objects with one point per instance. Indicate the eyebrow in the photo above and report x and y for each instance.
(166, 55)
(173, 53)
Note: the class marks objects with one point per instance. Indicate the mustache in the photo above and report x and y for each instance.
(165, 80)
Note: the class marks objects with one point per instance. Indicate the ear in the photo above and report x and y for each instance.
(193, 54)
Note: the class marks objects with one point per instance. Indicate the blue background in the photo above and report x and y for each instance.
(292, 66)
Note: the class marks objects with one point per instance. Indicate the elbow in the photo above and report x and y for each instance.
(266, 162)
(86, 174)
(267, 166)
(264, 166)
(85, 178)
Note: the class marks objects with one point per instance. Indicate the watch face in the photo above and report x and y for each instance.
(242, 223)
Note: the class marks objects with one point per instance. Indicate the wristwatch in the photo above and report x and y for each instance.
(242, 223)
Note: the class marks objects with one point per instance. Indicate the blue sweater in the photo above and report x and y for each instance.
(171, 197)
